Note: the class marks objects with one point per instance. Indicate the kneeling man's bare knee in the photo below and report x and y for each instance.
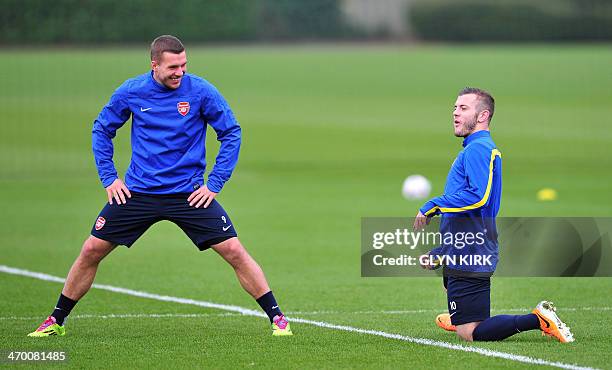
(465, 331)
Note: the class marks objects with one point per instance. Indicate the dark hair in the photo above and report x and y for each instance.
(485, 100)
(165, 43)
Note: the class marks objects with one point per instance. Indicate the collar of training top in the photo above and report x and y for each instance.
(162, 87)
(475, 135)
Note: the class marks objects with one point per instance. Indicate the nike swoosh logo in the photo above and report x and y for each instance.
(451, 315)
(273, 307)
(543, 319)
(144, 109)
(225, 228)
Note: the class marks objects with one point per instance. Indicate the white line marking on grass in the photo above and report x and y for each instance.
(321, 324)
(131, 316)
(434, 310)
(226, 314)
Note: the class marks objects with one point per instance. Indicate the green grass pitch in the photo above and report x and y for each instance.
(329, 135)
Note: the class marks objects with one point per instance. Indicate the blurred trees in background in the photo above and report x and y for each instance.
(113, 21)
(512, 20)
(121, 21)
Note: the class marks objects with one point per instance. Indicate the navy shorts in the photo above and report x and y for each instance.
(124, 224)
(469, 299)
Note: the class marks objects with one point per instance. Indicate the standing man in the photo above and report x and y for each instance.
(170, 111)
(469, 206)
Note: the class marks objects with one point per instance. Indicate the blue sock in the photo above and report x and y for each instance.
(269, 305)
(503, 326)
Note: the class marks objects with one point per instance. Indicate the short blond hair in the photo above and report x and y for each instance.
(165, 43)
(485, 100)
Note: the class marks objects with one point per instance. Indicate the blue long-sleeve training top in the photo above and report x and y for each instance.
(168, 135)
(470, 204)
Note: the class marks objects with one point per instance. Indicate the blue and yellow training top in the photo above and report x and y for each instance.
(470, 204)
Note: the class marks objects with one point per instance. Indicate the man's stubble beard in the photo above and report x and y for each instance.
(468, 128)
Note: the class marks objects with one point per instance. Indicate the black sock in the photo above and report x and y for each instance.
(269, 305)
(63, 308)
(503, 326)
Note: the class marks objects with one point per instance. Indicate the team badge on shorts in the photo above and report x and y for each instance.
(183, 107)
(100, 222)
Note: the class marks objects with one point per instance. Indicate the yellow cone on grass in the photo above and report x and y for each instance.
(547, 194)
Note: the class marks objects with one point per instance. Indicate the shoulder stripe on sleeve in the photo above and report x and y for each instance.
(480, 203)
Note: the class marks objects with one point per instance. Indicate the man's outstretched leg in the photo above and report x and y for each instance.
(469, 311)
(497, 327)
(253, 280)
(501, 327)
(79, 280)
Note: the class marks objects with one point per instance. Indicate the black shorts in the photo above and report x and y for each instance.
(124, 224)
(469, 299)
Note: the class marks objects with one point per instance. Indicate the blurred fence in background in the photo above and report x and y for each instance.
(120, 21)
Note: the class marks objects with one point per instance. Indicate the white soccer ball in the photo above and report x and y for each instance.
(416, 187)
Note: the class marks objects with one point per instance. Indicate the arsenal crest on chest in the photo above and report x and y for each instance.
(183, 108)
